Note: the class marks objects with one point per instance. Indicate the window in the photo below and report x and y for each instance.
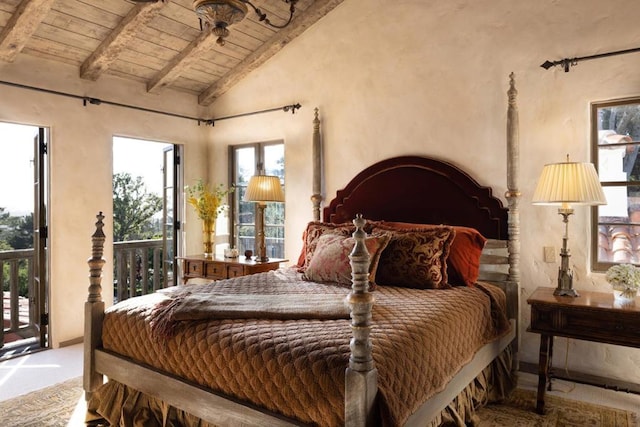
(247, 160)
(616, 141)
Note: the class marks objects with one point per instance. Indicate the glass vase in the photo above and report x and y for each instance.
(625, 295)
(209, 237)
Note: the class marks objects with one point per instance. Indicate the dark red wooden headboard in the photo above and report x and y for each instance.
(419, 190)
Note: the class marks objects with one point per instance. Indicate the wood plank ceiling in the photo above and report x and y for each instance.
(160, 44)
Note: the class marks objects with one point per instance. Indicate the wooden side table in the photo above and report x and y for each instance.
(592, 316)
(219, 267)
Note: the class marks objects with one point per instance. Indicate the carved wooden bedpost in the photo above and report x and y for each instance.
(94, 310)
(361, 375)
(513, 198)
(316, 197)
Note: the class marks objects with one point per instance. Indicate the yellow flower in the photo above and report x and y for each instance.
(207, 201)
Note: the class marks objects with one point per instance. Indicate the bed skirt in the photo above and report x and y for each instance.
(115, 404)
(494, 384)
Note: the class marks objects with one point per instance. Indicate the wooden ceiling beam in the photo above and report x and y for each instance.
(300, 23)
(118, 39)
(181, 62)
(21, 26)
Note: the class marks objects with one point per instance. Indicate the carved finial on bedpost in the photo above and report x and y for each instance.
(361, 376)
(512, 92)
(316, 197)
(96, 262)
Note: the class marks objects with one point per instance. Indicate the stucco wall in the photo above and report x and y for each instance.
(415, 78)
(430, 78)
(80, 159)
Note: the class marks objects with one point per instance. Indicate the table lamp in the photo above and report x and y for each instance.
(566, 184)
(262, 189)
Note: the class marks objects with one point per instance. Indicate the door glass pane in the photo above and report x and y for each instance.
(245, 168)
(274, 160)
(168, 233)
(245, 164)
(274, 212)
(247, 161)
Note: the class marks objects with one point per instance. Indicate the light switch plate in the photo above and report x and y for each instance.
(549, 254)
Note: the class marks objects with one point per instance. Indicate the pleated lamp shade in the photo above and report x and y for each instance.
(264, 188)
(569, 183)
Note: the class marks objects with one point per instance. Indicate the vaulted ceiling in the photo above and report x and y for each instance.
(158, 43)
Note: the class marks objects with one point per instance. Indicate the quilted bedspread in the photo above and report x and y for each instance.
(421, 338)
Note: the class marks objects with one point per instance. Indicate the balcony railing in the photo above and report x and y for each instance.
(16, 281)
(139, 268)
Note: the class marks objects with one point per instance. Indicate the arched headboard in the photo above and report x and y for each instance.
(420, 190)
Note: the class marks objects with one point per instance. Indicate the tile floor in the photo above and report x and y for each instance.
(23, 374)
(27, 373)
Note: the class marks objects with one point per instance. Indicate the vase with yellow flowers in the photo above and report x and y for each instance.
(208, 202)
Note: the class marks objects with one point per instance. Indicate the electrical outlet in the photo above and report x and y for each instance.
(549, 254)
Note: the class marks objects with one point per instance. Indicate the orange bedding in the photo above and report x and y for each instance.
(421, 338)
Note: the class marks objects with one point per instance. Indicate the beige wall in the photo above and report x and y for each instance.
(81, 165)
(431, 78)
(420, 77)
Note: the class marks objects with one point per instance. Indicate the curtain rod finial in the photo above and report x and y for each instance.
(547, 64)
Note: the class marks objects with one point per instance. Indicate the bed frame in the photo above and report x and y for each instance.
(402, 179)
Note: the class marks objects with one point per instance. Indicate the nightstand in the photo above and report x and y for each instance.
(592, 316)
(218, 267)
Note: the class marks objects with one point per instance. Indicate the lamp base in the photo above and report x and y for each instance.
(565, 278)
(261, 259)
(566, 292)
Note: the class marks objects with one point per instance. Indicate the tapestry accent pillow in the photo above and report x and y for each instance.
(463, 263)
(416, 258)
(330, 261)
(310, 236)
(315, 229)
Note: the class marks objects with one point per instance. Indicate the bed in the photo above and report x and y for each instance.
(388, 359)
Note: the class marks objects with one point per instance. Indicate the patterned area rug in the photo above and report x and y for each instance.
(53, 406)
(519, 411)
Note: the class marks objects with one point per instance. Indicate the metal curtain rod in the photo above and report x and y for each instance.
(569, 62)
(292, 107)
(96, 101)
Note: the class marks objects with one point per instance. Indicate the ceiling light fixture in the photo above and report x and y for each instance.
(220, 14)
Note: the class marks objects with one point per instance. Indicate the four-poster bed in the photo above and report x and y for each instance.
(329, 370)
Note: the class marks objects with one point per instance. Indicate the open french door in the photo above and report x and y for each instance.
(39, 301)
(23, 240)
(172, 183)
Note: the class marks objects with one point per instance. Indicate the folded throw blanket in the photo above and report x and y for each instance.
(200, 306)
